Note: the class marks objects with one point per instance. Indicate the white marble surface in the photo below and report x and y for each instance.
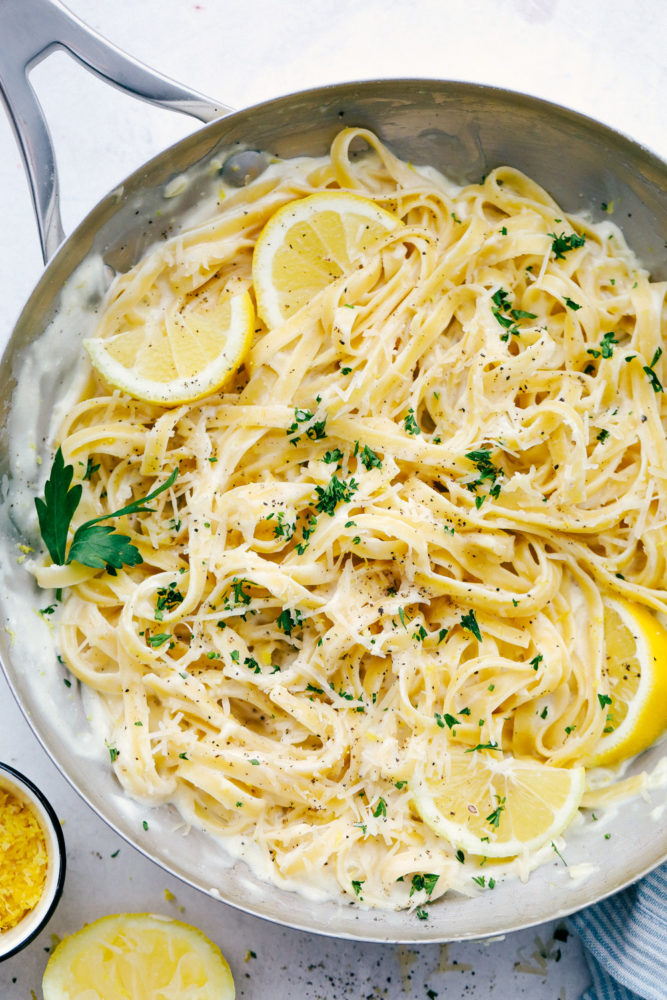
(603, 57)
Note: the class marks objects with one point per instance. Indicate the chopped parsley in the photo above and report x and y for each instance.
(469, 622)
(424, 883)
(410, 424)
(536, 660)
(357, 884)
(380, 809)
(494, 817)
(606, 348)
(604, 699)
(336, 491)
(168, 598)
(556, 851)
(90, 469)
(306, 531)
(506, 315)
(602, 436)
(282, 528)
(330, 457)
(571, 304)
(656, 384)
(563, 243)
(315, 431)
(369, 458)
(155, 641)
(483, 746)
(450, 720)
(487, 473)
(288, 620)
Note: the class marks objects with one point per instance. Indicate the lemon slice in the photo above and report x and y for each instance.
(188, 354)
(636, 669)
(137, 956)
(499, 808)
(309, 243)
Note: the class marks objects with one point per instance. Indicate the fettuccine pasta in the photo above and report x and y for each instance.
(392, 535)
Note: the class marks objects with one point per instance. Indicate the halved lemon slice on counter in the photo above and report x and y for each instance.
(310, 242)
(183, 356)
(636, 669)
(137, 956)
(499, 808)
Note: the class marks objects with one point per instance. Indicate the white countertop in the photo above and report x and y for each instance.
(602, 57)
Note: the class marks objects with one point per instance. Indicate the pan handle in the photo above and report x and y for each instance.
(32, 30)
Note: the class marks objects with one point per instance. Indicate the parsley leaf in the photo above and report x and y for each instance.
(99, 546)
(93, 545)
(56, 510)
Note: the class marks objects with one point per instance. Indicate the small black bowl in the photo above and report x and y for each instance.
(33, 922)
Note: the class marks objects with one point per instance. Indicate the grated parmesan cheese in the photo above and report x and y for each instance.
(23, 860)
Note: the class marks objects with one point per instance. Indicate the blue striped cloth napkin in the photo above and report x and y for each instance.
(625, 938)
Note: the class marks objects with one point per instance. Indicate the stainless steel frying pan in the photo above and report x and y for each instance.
(462, 129)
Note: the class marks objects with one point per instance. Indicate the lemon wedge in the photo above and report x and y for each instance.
(137, 956)
(185, 355)
(310, 242)
(636, 671)
(499, 808)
